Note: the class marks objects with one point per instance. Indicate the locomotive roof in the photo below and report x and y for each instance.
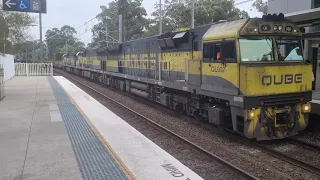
(243, 27)
(224, 30)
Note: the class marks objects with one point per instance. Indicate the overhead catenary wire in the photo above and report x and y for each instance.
(246, 1)
(77, 27)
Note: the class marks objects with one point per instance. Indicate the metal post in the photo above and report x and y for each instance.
(40, 19)
(47, 51)
(4, 43)
(4, 35)
(160, 17)
(160, 59)
(33, 51)
(66, 46)
(120, 28)
(107, 36)
(192, 15)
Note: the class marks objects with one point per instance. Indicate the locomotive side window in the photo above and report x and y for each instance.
(229, 51)
(219, 51)
(216, 52)
(206, 51)
(211, 51)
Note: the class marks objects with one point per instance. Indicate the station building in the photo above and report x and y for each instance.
(305, 13)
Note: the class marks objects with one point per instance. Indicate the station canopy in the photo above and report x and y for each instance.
(305, 18)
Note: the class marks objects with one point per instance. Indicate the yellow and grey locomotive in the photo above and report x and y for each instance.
(248, 75)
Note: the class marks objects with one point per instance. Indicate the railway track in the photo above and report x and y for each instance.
(243, 173)
(307, 144)
(288, 157)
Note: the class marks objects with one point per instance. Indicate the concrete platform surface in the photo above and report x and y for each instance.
(141, 156)
(34, 143)
(315, 103)
(316, 95)
(51, 129)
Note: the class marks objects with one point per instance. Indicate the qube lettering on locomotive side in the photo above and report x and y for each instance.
(248, 75)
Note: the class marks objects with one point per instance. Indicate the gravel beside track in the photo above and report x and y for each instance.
(243, 155)
(295, 152)
(309, 138)
(298, 151)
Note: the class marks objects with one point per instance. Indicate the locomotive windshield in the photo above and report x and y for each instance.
(289, 50)
(256, 50)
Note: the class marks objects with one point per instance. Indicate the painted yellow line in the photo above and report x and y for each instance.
(114, 155)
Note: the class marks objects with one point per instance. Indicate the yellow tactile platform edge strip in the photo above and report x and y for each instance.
(116, 158)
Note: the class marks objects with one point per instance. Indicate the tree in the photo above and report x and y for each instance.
(261, 6)
(60, 40)
(134, 22)
(13, 26)
(177, 14)
(154, 23)
(71, 48)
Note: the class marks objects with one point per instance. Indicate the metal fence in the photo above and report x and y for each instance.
(33, 69)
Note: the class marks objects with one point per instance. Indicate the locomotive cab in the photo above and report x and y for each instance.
(260, 63)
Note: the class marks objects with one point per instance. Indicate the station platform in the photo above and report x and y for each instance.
(315, 109)
(51, 129)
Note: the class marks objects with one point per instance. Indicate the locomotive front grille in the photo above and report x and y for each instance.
(277, 100)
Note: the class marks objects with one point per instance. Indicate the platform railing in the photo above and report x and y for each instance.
(33, 69)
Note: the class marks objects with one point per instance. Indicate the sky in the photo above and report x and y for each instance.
(76, 12)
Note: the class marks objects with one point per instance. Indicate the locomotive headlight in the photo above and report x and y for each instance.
(250, 114)
(306, 108)
(280, 28)
(275, 28)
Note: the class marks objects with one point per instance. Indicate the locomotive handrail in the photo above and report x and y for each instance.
(137, 66)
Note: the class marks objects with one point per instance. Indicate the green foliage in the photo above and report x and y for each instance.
(180, 29)
(177, 13)
(71, 48)
(62, 40)
(134, 22)
(261, 6)
(13, 26)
